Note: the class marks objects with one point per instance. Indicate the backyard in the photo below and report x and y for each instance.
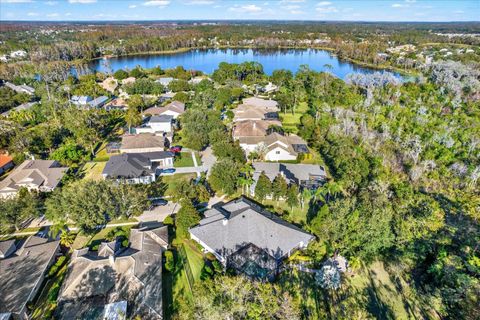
(93, 170)
(290, 121)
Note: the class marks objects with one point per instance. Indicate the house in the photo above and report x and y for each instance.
(256, 109)
(100, 283)
(21, 88)
(156, 124)
(22, 272)
(275, 147)
(270, 87)
(39, 175)
(81, 101)
(253, 128)
(23, 106)
(166, 96)
(244, 236)
(174, 109)
(116, 104)
(18, 54)
(165, 81)
(144, 142)
(137, 167)
(309, 176)
(6, 163)
(98, 102)
(109, 84)
(198, 79)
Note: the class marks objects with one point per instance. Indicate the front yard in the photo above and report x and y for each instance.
(184, 159)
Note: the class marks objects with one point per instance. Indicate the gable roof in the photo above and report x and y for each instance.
(42, 173)
(163, 118)
(6, 247)
(23, 271)
(134, 273)
(270, 105)
(142, 141)
(133, 165)
(230, 227)
(253, 128)
(175, 106)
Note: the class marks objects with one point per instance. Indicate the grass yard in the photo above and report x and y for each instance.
(296, 215)
(170, 181)
(290, 120)
(183, 159)
(93, 170)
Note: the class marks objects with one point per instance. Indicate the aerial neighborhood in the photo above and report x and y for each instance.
(205, 170)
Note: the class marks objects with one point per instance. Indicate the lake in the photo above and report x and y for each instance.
(207, 60)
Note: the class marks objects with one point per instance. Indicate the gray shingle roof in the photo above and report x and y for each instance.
(161, 118)
(234, 225)
(128, 165)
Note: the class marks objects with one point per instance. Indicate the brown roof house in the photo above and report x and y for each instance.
(144, 142)
(253, 128)
(40, 175)
(174, 108)
(6, 162)
(96, 279)
(275, 146)
(22, 272)
(256, 109)
(244, 236)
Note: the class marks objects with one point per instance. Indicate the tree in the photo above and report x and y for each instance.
(263, 187)
(329, 277)
(186, 217)
(133, 118)
(279, 187)
(120, 74)
(88, 204)
(130, 200)
(169, 261)
(66, 238)
(292, 196)
(224, 176)
(16, 210)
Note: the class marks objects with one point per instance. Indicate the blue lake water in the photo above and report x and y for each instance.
(207, 61)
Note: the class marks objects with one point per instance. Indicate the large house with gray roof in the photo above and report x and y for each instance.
(309, 176)
(131, 276)
(137, 167)
(244, 236)
(39, 175)
(23, 267)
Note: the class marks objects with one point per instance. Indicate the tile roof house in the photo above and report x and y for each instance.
(132, 274)
(253, 128)
(275, 147)
(22, 273)
(137, 167)
(6, 162)
(309, 176)
(174, 108)
(242, 235)
(40, 175)
(144, 142)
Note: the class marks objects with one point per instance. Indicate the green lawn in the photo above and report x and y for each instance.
(291, 120)
(183, 159)
(296, 215)
(93, 170)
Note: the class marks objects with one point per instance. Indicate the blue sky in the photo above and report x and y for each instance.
(365, 10)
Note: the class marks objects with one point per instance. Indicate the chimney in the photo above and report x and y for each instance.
(111, 259)
(225, 221)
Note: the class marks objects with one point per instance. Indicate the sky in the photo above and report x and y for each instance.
(345, 10)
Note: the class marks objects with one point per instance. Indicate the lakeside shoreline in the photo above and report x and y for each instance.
(328, 49)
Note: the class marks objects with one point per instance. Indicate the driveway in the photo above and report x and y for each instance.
(159, 213)
(208, 159)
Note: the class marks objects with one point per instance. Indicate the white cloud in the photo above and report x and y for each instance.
(52, 15)
(32, 14)
(132, 6)
(200, 2)
(399, 5)
(326, 9)
(82, 1)
(293, 7)
(68, 14)
(51, 3)
(323, 3)
(297, 12)
(250, 8)
(157, 3)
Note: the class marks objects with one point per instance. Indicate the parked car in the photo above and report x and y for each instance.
(159, 202)
(176, 149)
(169, 170)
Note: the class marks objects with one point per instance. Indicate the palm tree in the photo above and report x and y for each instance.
(246, 178)
(66, 238)
(328, 190)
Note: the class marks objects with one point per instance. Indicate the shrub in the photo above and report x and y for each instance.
(169, 261)
(53, 270)
(168, 221)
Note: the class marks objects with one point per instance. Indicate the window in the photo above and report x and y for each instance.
(277, 152)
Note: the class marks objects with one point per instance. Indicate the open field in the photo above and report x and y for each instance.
(290, 120)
